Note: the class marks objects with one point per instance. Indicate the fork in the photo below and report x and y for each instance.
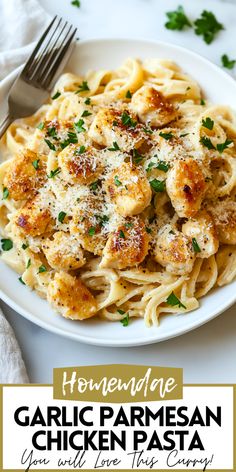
(33, 85)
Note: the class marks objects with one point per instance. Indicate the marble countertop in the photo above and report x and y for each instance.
(208, 353)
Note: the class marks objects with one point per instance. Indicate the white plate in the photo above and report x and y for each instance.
(219, 87)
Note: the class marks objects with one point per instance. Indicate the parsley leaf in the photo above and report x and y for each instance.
(137, 158)
(207, 26)
(79, 151)
(162, 165)
(94, 185)
(7, 244)
(195, 245)
(177, 19)
(127, 120)
(202, 102)
(147, 130)
(86, 113)
(83, 87)
(28, 263)
(79, 126)
(40, 125)
(92, 231)
(158, 185)
(54, 172)
(228, 63)
(115, 147)
(166, 136)
(207, 142)
(208, 123)
(57, 94)
(35, 163)
(75, 3)
(125, 320)
(87, 101)
(5, 193)
(21, 281)
(61, 216)
(42, 269)
(128, 94)
(117, 181)
(50, 145)
(121, 234)
(222, 146)
(25, 246)
(172, 300)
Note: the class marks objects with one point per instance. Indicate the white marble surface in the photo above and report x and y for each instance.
(207, 354)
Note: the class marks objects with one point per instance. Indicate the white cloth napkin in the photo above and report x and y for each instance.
(21, 23)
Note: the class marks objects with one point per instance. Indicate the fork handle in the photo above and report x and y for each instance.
(4, 125)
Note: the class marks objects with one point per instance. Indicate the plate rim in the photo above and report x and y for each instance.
(137, 341)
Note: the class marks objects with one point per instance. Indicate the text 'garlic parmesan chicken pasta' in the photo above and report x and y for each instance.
(117, 198)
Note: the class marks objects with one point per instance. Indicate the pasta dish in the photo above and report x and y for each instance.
(117, 198)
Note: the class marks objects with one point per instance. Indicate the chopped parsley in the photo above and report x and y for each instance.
(125, 320)
(81, 150)
(147, 130)
(172, 300)
(208, 123)
(28, 263)
(94, 185)
(222, 146)
(79, 126)
(5, 193)
(157, 185)
(166, 136)
(21, 280)
(195, 245)
(227, 62)
(86, 113)
(61, 216)
(92, 231)
(57, 94)
(54, 172)
(177, 19)
(162, 165)
(202, 102)
(117, 181)
(42, 269)
(148, 230)
(103, 219)
(7, 244)
(137, 158)
(121, 234)
(115, 147)
(25, 246)
(127, 120)
(35, 163)
(207, 142)
(52, 132)
(87, 101)
(75, 3)
(128, 94)
(129, 225)
(83, 87)
(207, 26)
(40, 125)
(50, 144)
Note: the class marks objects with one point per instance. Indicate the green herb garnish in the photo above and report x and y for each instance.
(202, 102)
(86, 113)
(162, 165)
(207, 26)
(227, 63)
(75, 3)
(158, 185)
(61, 216)
(121, 234)
(35, 163)
(166, 136)
(125, 320)
(50, 145)
(207, 142)
(28, 263)
(42, 269)
(40, 125)
(208, 123)
(92, 231)
(87, 101)
(137, 158)
(115, 147)
(57, 94)
(128, 94)
(25, 246)
(147, 130)
(222, 146)
(21, 281)
(83, 87)
(5, 193)
(7, 244)
(79, 126)
(172, 300)
(117, 181)
(148, 230)
(94, 185)
(127, 120)
(195, 245)
(177, 19)
(54, 172)
(79, 151)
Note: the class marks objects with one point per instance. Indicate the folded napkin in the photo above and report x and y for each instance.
(21, 23)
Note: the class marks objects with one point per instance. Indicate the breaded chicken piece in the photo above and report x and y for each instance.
(203, 230)
(87, 224)
(25, 174)
(63, 252)
(224, 217)
(112, 125)
(129, 189)
(152, 107)
(32, 219)
(70, 297)
(79, 165)
(186, 187)
(173, 250)
(126, 247)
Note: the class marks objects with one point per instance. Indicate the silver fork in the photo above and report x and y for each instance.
(33, 85)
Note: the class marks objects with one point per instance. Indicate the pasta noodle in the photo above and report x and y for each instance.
(118, 195)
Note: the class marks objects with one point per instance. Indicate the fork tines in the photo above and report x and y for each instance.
(44, 63)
